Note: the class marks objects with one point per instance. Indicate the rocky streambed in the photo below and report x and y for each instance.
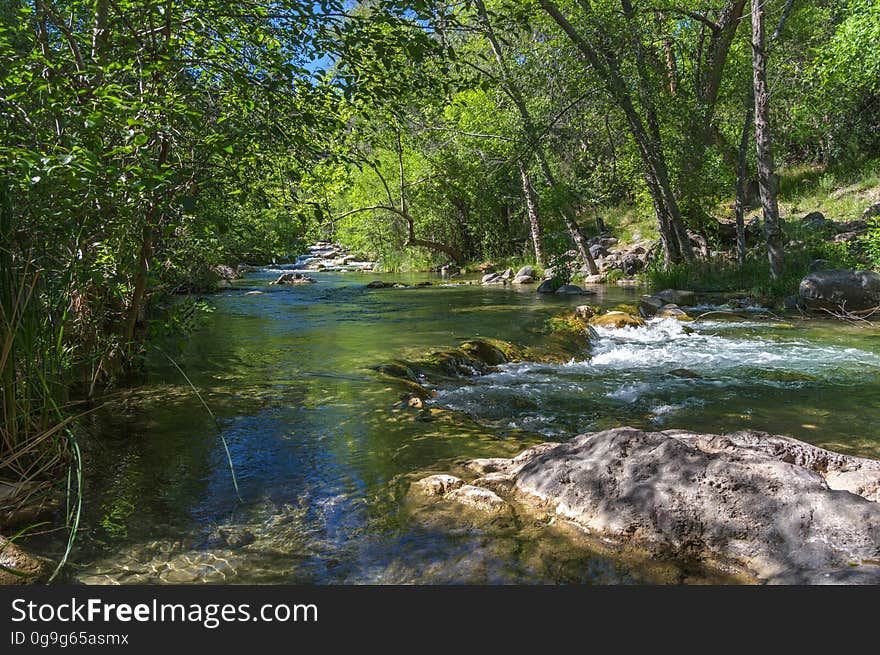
(771, 508)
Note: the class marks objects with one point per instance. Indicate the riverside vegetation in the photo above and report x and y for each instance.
(607, 169)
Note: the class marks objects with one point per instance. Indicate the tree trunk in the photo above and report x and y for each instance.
(673, 235)
(145, 256)
(532, 210)
(600, 224)
(451, 252)
(742, 171)
(99, 29)
(764, 143)
(533, 138)
(741, 160)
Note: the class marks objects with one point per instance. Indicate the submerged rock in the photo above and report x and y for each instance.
(379, 284)
(478, 497)
(573, 290)
(777, 508)
(472, 357)
(837, 289)
(438, 485)
(685, 373)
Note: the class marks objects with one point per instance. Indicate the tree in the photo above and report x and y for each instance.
(764, 143)
(644, 127)
(532, 138)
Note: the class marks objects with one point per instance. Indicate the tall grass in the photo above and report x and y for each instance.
(37, 436)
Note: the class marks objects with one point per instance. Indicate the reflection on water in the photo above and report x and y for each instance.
(324, 453)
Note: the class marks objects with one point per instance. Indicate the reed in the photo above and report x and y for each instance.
(37, 430)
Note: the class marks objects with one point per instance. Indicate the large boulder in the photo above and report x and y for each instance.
(224, 272)
(836, 289)
(526, 271)
(650, 305)
(632, 264)
(779, 509)
(597, 250)
(817, 222)
(677, 297)
(549, 286)
(871, 212)
(523, 279)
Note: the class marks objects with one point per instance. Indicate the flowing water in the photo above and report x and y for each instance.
(324, 451)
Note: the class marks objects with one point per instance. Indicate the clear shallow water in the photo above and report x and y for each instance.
(324, 452)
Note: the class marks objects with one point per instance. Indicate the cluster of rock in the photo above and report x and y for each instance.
(837, 231)
(380, 284)
(333, 257)
(610, 255)
(525, 275)
(659, 305)
(528, 275)
(777, 509)
(294, 279)
(667, 304)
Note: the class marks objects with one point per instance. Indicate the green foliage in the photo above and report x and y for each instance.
(871, 243)
(722, 274)
(141, 143)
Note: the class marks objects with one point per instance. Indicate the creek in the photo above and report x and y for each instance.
(324, 451)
